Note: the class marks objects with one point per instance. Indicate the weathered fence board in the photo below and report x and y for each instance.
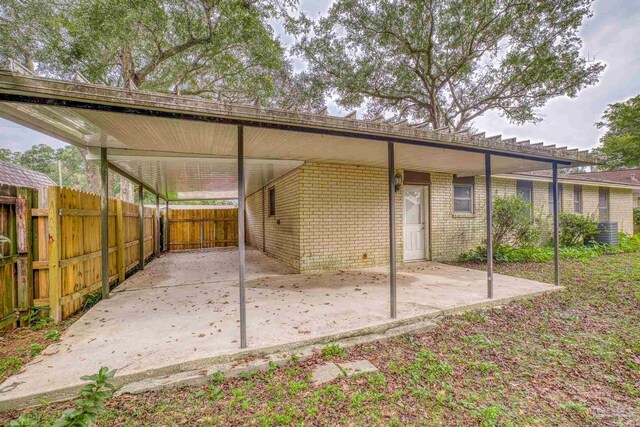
(8, 256)
(202, 228)
(54, 258)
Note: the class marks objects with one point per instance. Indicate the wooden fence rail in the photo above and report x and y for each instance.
(54, 259)
(202, 228)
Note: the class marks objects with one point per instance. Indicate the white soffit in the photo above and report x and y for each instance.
(208, 178)
(96, 128)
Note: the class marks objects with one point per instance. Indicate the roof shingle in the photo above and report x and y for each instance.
(19, 176)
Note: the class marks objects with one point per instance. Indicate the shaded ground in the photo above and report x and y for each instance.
(568, 358)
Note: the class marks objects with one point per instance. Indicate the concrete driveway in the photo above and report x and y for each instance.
(182, 310)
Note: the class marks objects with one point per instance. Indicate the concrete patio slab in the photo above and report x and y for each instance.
(181, 314)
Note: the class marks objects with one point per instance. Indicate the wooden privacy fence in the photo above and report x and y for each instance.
(57, 252)
(202, 228)
(8, 256)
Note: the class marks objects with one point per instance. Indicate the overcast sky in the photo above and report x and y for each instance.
(612, 36)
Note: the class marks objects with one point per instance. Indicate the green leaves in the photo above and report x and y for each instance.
(91, 400)
(446, 63)
(621, 143)
(226, 50)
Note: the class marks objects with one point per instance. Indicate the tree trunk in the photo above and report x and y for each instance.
(92, 171)
(126, 190)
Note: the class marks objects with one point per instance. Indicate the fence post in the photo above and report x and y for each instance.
(156, 228)
(167, 228)
(202, 233)
(141, 226)
(120, 241)
(55, 292)
(24, 231)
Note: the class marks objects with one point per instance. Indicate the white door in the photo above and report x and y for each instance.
(414, 222)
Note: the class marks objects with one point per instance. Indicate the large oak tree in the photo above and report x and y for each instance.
(444, 63)
(220, 49)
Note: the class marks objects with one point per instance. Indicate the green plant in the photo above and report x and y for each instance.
(636, 216)
(577, 407)
(332, 351)
(626, 243)
(24, 420)
(52, 334)
(295, 387)
(35, 318)
(514, 224)
(10, 366)
(91, 401)
(92, 300)
(35, 349)
(576, 229)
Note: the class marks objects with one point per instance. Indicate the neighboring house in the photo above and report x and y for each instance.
(621, 176)
(323, 216)
(13, 175)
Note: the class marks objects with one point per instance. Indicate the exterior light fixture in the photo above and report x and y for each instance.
(397, 181)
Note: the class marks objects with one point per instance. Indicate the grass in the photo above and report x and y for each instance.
(505, 254)
(570, 358)
(19, 346)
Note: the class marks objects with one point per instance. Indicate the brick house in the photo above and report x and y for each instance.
(323, 216)
(629, 177)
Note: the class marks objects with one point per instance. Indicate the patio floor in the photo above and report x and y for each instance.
(183, 308)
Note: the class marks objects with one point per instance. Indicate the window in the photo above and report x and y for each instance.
(463, 195)
(272, 201)
(524, 189)
(551, 197)
(577, 199)
(603, 204)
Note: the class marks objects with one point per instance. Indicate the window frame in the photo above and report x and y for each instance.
(272, 201)
(527, 185)
(560, 192)
(471, 198)
(577, 199)
(604, 191)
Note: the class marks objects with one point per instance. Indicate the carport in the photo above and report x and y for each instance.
(179, 317)
(185, 148)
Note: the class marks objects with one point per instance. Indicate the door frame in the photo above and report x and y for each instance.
(426, 206)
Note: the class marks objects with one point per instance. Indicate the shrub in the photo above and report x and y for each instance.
(90, 404)
(576, 229)
(514, 224)
(91, 401)
(627, 243)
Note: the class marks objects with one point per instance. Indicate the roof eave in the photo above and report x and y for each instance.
(15, 87)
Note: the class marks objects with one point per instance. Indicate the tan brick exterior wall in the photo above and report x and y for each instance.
(254, 210)
(344, 212)
(335, 216)
(281, 231)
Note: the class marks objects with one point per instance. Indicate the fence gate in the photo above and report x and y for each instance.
(202, 228)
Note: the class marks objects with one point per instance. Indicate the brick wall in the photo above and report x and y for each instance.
(254, 219)
(336, 216)
(345, 217)
(282, 230)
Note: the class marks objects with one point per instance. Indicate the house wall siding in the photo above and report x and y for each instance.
(335, 216)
